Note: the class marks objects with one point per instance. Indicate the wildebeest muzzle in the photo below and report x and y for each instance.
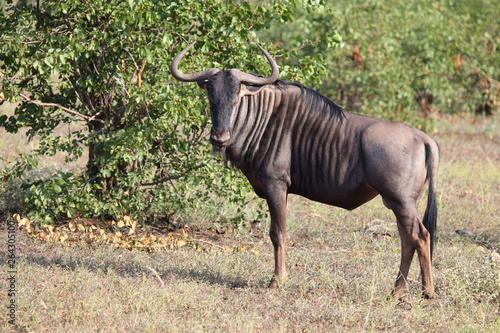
(220, 137)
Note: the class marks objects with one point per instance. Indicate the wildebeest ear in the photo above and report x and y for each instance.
(249, 90)
(202, 84)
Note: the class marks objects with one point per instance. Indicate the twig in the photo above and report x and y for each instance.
(485, 155)
(131, 57)
(55, 105)
(157, 275)
(120, 82)
(489, 78)
(172, 47)
(139, 74)
(492, 80)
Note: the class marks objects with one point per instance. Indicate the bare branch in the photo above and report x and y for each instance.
(182, 38)
(132, 57)
(55, 105)
(120, 82)
(94, 117)
(157, 275)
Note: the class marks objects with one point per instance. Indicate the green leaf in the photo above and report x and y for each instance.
(57, 188)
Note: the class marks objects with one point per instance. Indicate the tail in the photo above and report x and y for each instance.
(430, 215)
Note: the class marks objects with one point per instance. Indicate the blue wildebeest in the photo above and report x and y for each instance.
(287, 138)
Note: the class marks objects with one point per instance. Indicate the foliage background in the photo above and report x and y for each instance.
(102, 69)
(407, 61)
(91, 83)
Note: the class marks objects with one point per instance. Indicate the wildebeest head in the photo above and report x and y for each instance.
(224, 89)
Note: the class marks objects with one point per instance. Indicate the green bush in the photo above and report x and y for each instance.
(103, 67)
(406, 61)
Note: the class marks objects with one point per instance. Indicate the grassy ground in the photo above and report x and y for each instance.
(341, 267)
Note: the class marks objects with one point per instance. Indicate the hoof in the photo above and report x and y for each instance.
(426, 295)
(273, 284)
(404, 300)
(396, 294)
(404, 303)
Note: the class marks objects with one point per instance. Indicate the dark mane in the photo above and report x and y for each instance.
(314, 99)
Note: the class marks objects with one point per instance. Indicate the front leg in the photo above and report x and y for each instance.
(276, 197)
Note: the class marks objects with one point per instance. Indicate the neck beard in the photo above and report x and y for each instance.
(220, 151)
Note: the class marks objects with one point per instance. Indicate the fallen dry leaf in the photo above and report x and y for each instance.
(131, 237)
(133, 225)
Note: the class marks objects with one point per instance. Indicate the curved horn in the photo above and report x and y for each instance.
(199, 76)
(252, 79)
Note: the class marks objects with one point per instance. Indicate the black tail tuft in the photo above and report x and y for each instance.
(430, 215)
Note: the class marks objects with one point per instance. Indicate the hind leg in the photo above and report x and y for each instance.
(407, 253)
(414, 236)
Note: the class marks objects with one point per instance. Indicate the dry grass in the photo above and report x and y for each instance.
(341, 267)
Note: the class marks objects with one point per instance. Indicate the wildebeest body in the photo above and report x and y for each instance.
(318, 153)
(287, 138)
